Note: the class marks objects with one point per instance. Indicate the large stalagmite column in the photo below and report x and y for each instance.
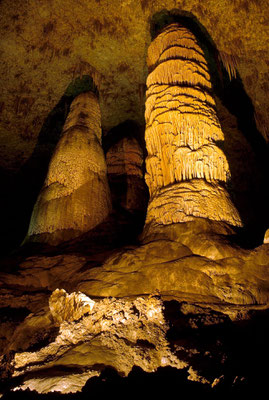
(75, 196)
(186, 168)
(125, 174)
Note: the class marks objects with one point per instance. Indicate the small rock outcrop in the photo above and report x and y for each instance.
(69, 307)
(75, 197)
(186, 167)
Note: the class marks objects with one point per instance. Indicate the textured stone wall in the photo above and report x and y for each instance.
(186, 167)
(75, 196)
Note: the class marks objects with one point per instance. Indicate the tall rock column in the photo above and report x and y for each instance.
(75, 197)
(125, 175)
(186, 168)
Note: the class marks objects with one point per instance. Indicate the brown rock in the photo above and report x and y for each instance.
(75, 196)
(186, 168)
(125, 158)
(125, 174)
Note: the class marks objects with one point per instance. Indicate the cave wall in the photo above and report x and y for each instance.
(46, 45)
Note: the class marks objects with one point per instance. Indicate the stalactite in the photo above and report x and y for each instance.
(186, 168)
(230, 62)
(75, 196)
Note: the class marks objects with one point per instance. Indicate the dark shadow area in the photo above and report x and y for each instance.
(238, 350)
(127, 129)
(166, 382)
(23, 188)
(248, 190)
(120, 228)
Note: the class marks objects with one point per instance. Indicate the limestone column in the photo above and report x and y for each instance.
(186, 167)
(125, 174)
(75, 197)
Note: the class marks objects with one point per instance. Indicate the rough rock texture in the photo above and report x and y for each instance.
(75, 196)
(125, 160)
(116, 314)
(48, 43)
(64, 307)
(48, 354)
(186, 295)
(186, 168)
(111, 332)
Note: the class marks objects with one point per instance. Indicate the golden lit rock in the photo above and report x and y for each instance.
(266, 237)
(75, 196)
(184, 295)
(116, 332)
(68, 383)
(186, 168)
(71, 307)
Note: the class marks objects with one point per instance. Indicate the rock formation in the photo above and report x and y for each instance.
(186, 167)
(125, 174)
(75, 197)
(187, 303)
(59, 351)
(111, 331)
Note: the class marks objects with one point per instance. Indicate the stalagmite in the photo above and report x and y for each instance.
(75, 197)
(186, 167)
(125, 174)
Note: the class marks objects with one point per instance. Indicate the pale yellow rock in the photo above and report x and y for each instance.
(65, 307)
(186, 167)
(266, 237)
(68, 383)
(75, 196)
(184, 201)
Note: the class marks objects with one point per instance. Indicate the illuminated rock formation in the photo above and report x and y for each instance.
(54, 350)
(75, 197)
(186, 168)
(69, 307)
(125, 174)
(114, 332)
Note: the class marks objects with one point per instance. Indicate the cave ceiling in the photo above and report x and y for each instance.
(48, 44)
